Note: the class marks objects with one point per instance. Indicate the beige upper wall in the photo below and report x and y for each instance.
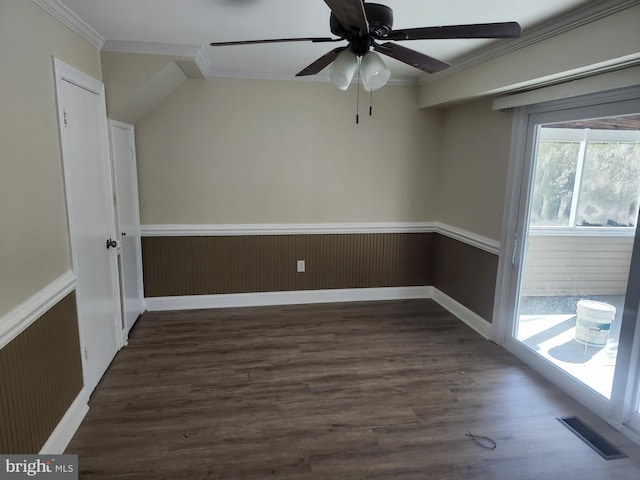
(609, 40)
(476, 141)
(134, 83)
(228, 151)
(34, 247)
(473, 171)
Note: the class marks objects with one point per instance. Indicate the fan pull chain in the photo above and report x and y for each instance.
(358, 93)
(370, 102)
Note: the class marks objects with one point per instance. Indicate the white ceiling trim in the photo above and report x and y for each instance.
(65, 16)
(152, 48)
(606, 78)
(197, 53)
(538, 34)
(203, 62)
(558, 26)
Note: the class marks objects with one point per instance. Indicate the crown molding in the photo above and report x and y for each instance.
(193, 52)
(582, 16)
(622, 74)
(68, 18)
(152, 48)
(574, 19)
(198, 54)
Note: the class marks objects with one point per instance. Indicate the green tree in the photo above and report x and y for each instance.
(555, 175)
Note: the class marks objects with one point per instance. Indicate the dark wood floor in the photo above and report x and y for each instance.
(382, 390)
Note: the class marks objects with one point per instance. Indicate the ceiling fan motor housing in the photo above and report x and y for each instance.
(380, 18)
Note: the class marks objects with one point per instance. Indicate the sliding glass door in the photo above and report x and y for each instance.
(581, 226)
(573, 302)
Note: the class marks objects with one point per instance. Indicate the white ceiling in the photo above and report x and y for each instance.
(169, 24)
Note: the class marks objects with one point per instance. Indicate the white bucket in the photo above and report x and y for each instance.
(594, 322)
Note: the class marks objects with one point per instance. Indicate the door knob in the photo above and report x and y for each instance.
(111, 244)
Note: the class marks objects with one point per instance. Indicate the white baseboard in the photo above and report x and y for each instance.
(194, 302)
(630, 433)
(63, 433)
(472, 319)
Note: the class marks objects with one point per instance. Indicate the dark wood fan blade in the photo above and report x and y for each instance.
(351, 14)
(411, 57)
(477, 30)
(276, 40)
(320, 63)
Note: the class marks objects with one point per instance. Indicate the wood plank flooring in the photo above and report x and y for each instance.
(374, 390)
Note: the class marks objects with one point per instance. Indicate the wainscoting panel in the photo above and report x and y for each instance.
(40, 377)
(466, 274)
(209, 265)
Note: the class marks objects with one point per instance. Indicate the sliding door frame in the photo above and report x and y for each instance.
(526, 124)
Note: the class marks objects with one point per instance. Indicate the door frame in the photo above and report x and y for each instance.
(65, 72)
(514, 234)
(137, 233)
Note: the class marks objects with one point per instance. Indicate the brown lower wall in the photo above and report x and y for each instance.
(177, 266)
(267, 263)
(40, 377)
(466, 274)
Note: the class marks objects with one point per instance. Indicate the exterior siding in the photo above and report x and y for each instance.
(577, 265)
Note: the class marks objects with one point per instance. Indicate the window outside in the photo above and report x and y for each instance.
(586, 178)
(609, 189)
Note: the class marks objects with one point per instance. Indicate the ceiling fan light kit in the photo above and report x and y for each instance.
(363, 25)
(342, 69)
(374, 72)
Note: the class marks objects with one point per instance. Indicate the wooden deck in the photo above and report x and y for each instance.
(376, 390)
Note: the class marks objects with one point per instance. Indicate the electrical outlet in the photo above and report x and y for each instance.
(300, 266)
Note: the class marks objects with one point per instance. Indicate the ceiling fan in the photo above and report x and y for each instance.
(364, 25)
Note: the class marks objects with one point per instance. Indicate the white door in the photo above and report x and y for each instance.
(85, 152)
(126, 183)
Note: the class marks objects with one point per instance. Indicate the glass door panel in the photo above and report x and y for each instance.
(581, 225)
(633, 417)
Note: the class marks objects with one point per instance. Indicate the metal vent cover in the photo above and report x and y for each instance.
(593, 439)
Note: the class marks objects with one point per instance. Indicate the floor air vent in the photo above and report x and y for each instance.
(592, 438)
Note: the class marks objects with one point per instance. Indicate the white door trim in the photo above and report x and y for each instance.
(65, 72)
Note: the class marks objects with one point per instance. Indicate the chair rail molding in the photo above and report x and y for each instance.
(470, 238)
(14, 322)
